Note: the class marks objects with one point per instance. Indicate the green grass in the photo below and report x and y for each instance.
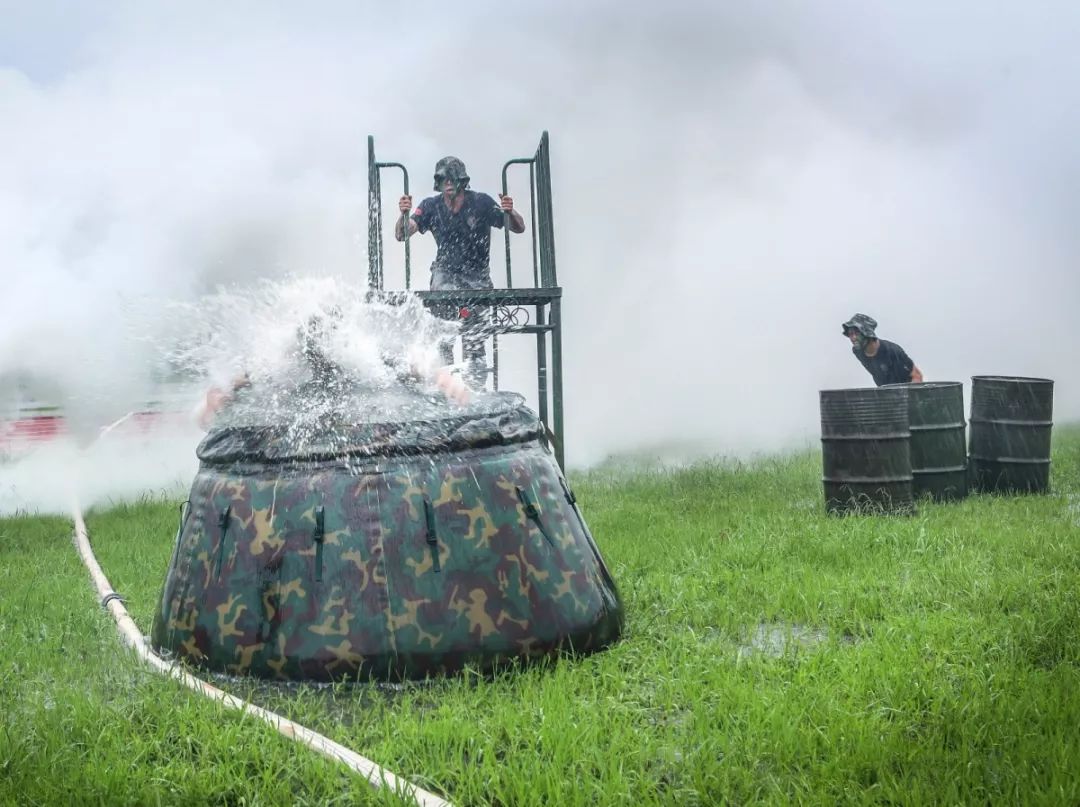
(772, 654)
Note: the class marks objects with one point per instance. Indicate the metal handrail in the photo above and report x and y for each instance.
(506, 216)
(405, 224)
(545, 294)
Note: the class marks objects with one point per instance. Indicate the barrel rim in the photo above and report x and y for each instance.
(938, 427)
(876, 437)
(1019, 378)
(926, 384)
(1013, 422)
(857, 389)
(1012, 460)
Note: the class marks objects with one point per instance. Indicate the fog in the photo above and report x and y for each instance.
(729, 186)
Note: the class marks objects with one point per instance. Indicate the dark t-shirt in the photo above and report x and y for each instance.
(890, 365)
(464, 240)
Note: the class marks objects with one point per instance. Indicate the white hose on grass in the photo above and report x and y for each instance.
(129, 631)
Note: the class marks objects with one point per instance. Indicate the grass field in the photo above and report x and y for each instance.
(772, 654)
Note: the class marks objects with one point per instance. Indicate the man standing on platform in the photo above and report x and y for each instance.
(461, 221)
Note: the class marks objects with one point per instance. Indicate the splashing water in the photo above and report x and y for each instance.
(317, 355)
(263, 331)
(314, 362)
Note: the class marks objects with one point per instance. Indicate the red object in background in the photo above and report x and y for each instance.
(151, 421)
(463, 313)
(28, 431)
(40, 427)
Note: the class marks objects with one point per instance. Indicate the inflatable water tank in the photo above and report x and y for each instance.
(380, 537)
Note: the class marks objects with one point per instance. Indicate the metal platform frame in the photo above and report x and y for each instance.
(509, 306)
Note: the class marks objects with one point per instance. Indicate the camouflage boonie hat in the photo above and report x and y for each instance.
(861, 323)
(453, 169)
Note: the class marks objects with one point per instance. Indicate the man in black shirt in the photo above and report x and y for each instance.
(886, 361)
(461, 221)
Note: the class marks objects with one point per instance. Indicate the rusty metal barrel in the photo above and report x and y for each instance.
(938, 439)
(1011, 420)
(866, 450)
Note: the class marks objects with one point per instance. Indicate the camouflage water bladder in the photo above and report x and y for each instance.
(327, 550)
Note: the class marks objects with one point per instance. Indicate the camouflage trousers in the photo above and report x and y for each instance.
(475, 330)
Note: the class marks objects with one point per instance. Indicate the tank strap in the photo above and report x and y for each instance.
(319, 536)
(432, 535)
(532, 511)
(223, 525)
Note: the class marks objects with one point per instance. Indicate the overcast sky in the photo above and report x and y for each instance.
(731, 182)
